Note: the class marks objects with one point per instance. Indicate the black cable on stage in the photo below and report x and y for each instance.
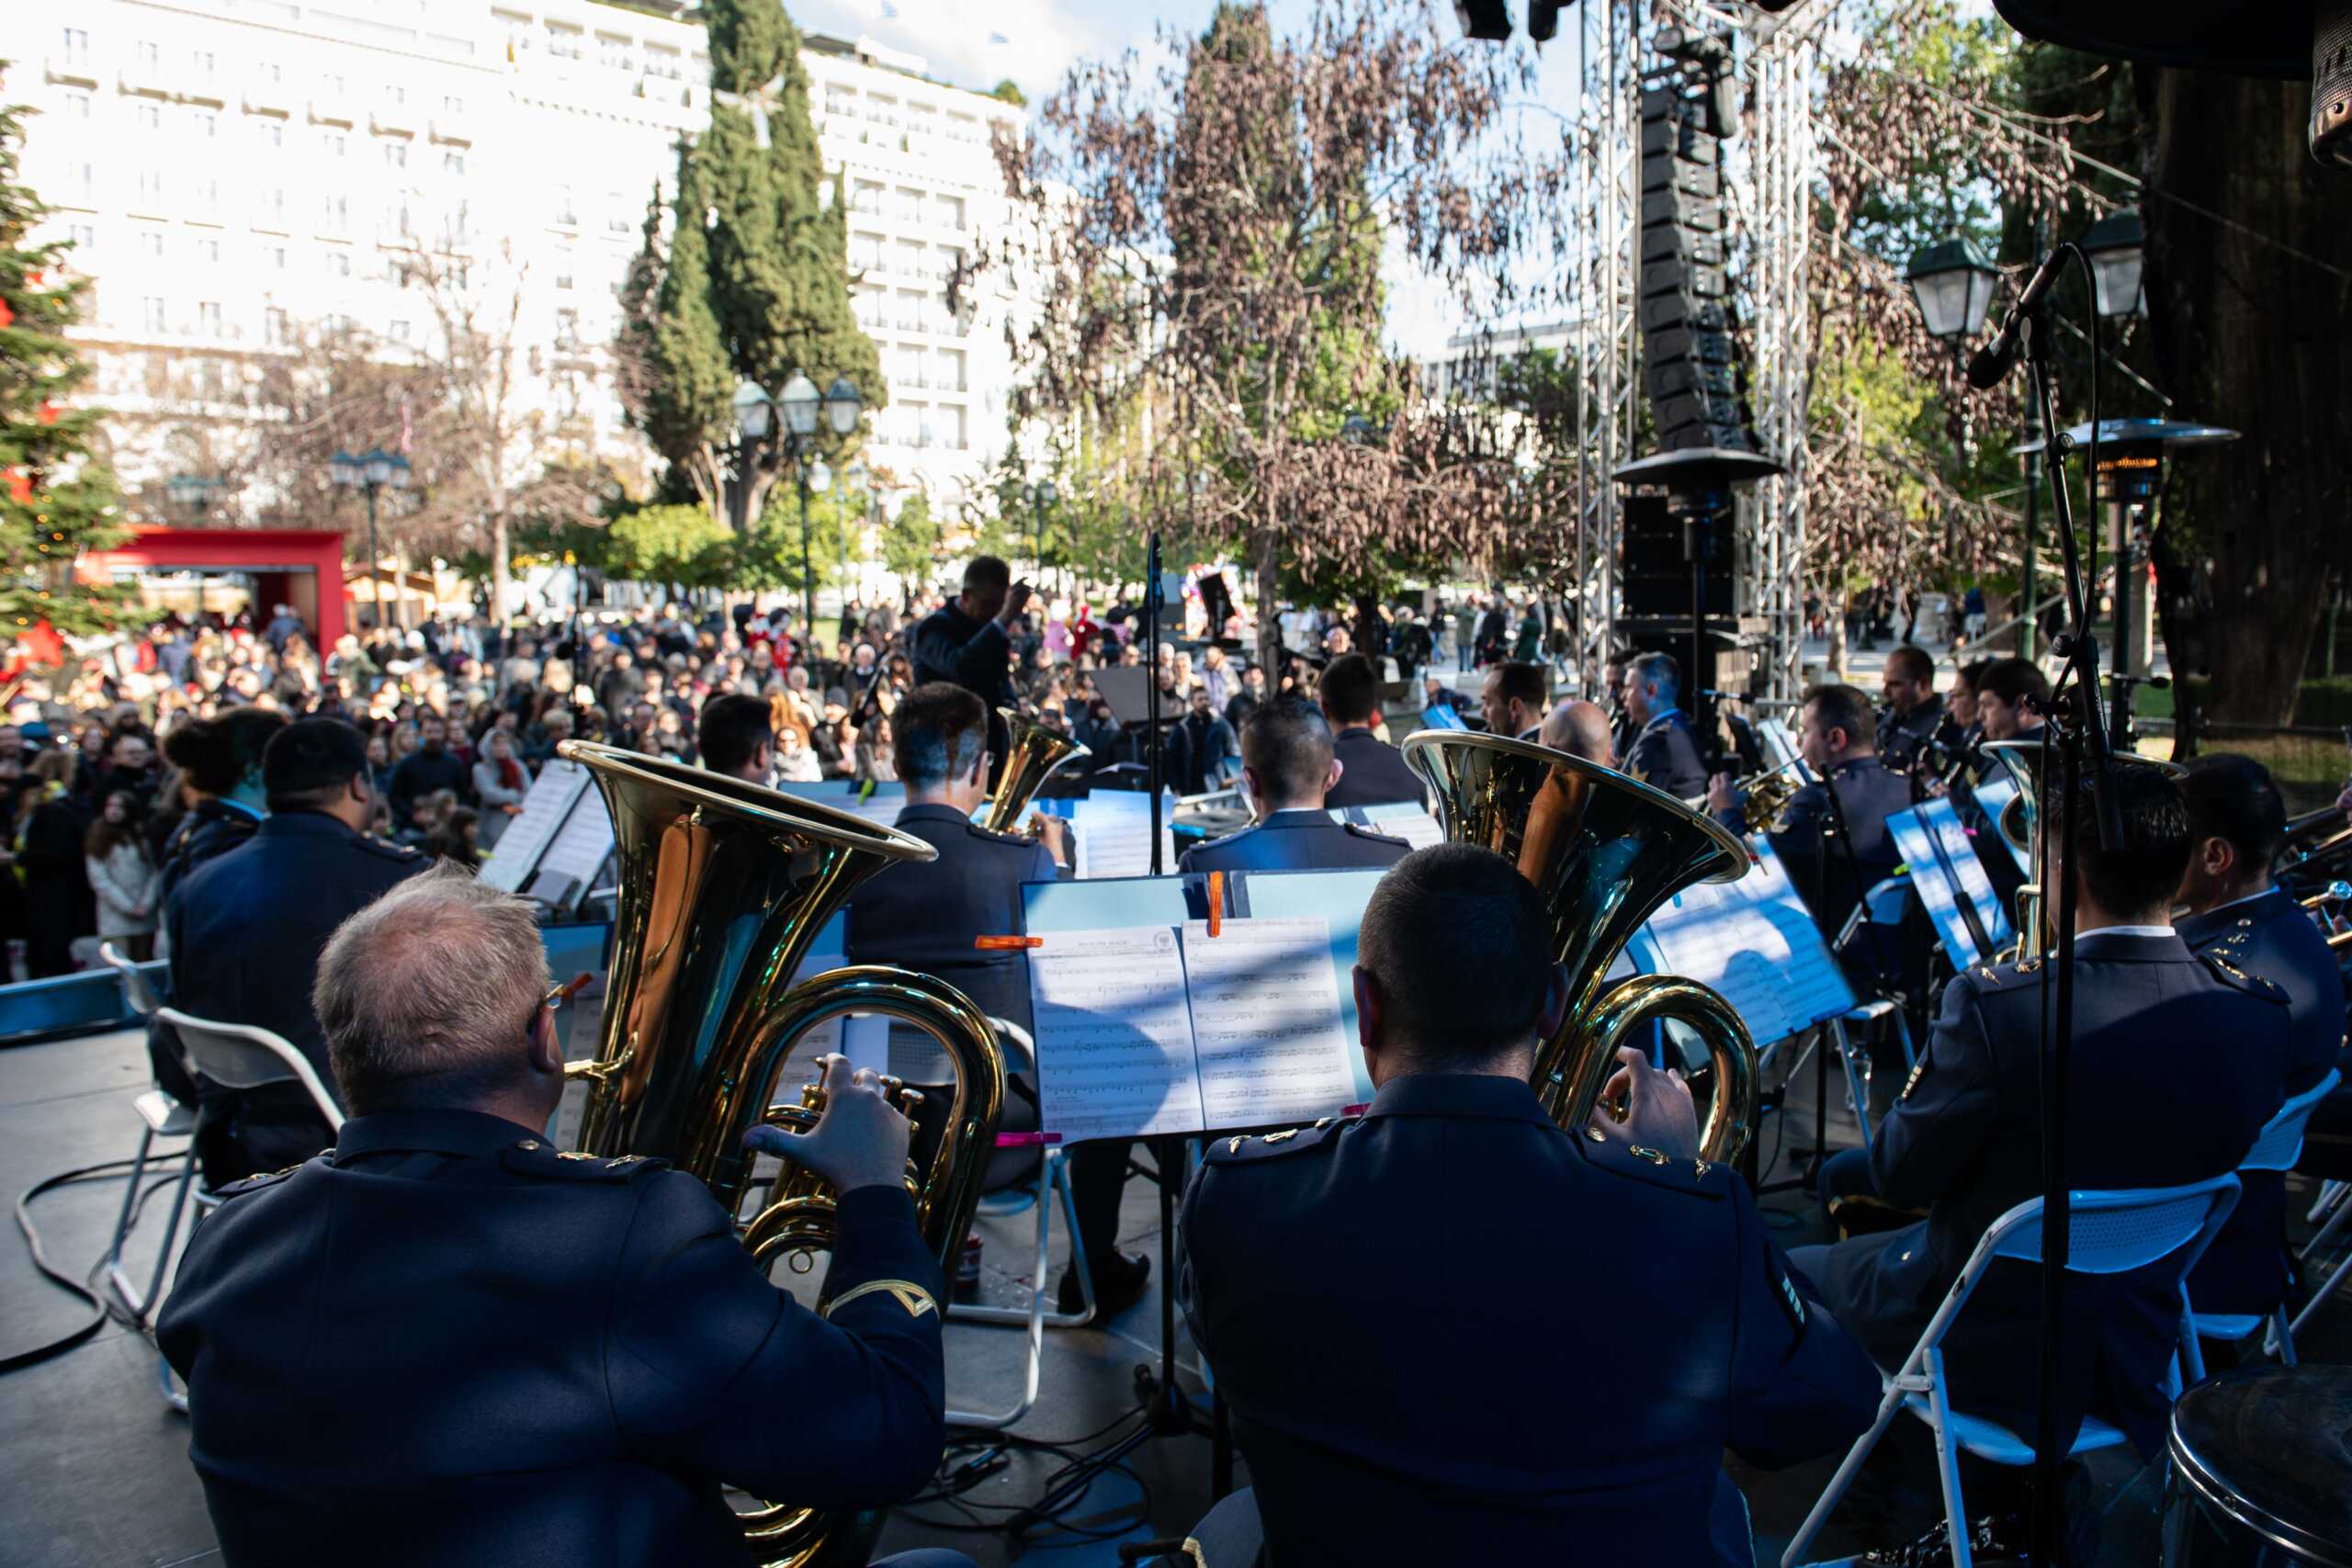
(99, 1313)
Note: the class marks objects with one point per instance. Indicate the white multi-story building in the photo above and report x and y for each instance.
(235, 173)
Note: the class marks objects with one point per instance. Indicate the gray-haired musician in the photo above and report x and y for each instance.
(1484, 1405)
(442, 1341)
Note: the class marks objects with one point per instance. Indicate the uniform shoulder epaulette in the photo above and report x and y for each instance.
(1237, 1149)
(1700, 1177)
(988, 835)
(384, 849)
(537, 1157)
(1233, 838)
(2236, 978)
(1376, 835)
(256, 1183)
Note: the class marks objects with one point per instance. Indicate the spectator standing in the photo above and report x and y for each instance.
(1201, 751)
(428, 768)
(51, 825)
(122, 878)
(501, 781)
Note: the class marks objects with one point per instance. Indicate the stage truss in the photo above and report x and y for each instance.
(1768, 180)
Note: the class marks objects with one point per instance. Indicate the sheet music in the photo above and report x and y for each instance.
(1397, 818)
(544, 808)
(1967, 870)
(1992, 797)
(580, 849)
(1114, 1034)
(1113, 833)
(1933, 884)
(1779, 747)
(1753, 941)
(1266, 1008)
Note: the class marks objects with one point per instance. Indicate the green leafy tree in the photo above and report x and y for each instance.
(1009, 92)
(55, 500)
(681, 547)
(675, 378)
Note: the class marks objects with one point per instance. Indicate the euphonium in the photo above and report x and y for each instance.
(2020, 828)
(723, 888)
(1603, 851)
(1032, 753)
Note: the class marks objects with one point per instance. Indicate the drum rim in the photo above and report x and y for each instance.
(2281, 1533)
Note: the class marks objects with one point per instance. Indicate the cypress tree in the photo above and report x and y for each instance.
(677, 378)
(55, 499)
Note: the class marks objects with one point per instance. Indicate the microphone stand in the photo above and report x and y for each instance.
(1167, 1411)
(2082, 741)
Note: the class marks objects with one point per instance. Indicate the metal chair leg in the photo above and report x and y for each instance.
(155, 1294)
(123, 1289)
(2335, 1281)
(2336, 1221)
(1856, 1086)
(1035, 1316)
(1054, 1180)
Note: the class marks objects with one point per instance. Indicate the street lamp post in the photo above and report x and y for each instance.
(802, 404)
(1951, 283)
(371, 472)
(1041, 495)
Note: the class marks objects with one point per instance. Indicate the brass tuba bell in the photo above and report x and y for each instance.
(1603, 851)
(2019, 825)
(724, 886)
(1033, 754)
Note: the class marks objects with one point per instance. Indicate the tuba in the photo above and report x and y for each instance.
(1603, 851)
(724, 886)
(1033, 754)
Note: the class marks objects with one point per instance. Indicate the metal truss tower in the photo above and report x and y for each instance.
(1768, 182)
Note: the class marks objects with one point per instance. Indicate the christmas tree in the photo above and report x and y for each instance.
(56, 500)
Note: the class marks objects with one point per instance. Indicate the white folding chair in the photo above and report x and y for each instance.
(1051, 1184)
(160, 1115)
(236, 1056)
(2109, 1233)
(1882, 907)
(2280, 1146)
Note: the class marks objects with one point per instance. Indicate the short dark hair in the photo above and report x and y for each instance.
(1909, 663)
(1847, 708)
(1971, 675)
(731, 731)
(2234, 797)
(1349, 690)
(1515, 678)
(2013, 679)
(1658, 670)
(310, 761)
(987, 572)
(1287, 742)
(935, 732)
(2144, 872)
(1460, 947)
(213, 754)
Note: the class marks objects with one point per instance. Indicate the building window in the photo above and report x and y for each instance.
(338, 213)
(151, 313)
(78, 106)
(272, 133)
(208, 250)
(334, 144)
(149, 57)
(338, 264)
(566, 328)
(151, 243)
(150, 117)
(269, 71)
(77, 46)
(451, 103)
(273, 325)
(564, 267)
(151, 187)
(398, 331)
(275, 255)
(207, 318)
(335, 322)
(207, 124)
(82, 237)
(202, 59)
(396, 155)
(453, 163)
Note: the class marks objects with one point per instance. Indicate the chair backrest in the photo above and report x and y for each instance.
(1020, 1051)
(2281, 1142)
(2113, 1231)
(1884, 901)
(136, 987)
(238, 1055)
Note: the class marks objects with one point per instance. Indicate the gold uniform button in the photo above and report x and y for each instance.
(1656, 1156)
(529, 1146)
(1596, 1134)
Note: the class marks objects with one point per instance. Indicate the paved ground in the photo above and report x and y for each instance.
(93, 1466)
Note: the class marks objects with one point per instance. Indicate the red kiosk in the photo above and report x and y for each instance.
(287, 567)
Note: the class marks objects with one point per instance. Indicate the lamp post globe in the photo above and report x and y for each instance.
(752, 408)
(799, 401)
(842, 405)
(1951, 283)
(2118, 248)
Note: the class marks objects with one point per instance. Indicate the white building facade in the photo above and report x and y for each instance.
(238, 174)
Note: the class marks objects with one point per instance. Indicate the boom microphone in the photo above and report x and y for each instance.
(1993, 362)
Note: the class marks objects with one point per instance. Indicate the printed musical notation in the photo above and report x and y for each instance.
(1165, 1029)
(1944, 869)
(1265, 1006)
(545, 807)
(1398, 819)
(1113, 834)
(1753, 941)
(1115, 1035)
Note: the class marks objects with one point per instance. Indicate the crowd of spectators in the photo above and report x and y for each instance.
(460, 717)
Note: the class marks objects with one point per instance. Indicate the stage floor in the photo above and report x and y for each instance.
(94, 1468)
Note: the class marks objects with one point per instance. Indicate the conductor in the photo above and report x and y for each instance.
(968, 642)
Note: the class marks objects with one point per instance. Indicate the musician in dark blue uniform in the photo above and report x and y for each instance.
(443, 1342)
(1371, 771)
(1664, 750)
(1511, 699)
(2237, 822)
(1833, 855)
(1288, 767)
(1915, 712)
(1531, 1428)
(2177, 1063)
(245, 929)
(926, 917)
(968, 642)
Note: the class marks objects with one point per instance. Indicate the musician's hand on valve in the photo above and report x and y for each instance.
(860, 1141)
(1658, 1111)
(1720, 794)
(1054, 833)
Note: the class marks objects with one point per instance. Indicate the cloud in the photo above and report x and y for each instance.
(1031, 41)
